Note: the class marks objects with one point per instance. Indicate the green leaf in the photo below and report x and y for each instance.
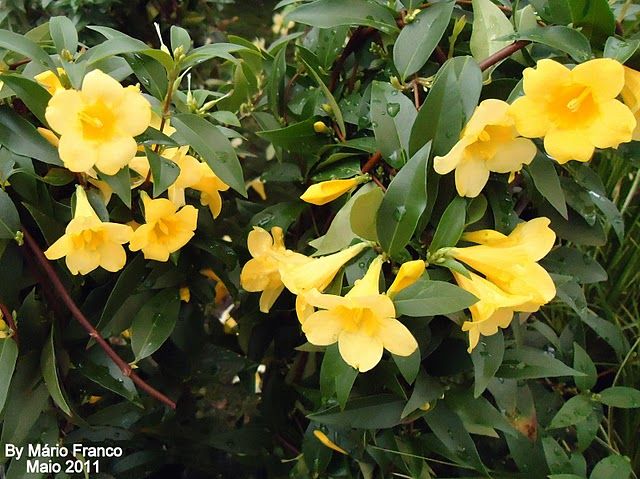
(33, 95)
(336, 376)
(408, 365)
(562, 38)
(296, 138)
(280, 214)
(392, 115)
(114, 46)
(620, 396)
(101, 374)
(50, 374)
(489, 23)
(556, 457)
(153, 324)
(8, 357)
(451, 225)
(449, 429)
(24, 46)
(120, 183)
(335, 109)
(163, 171)
(419, 39)
(21, 137)
(333, 13)
(583, 363)
(573, 262)
(450, 103)
(530, 363)
(574, 411)
(620, 50)
(403, 203)
(207, 140)
(426, 390)
(430, 298)
(213, 50)
(611, 467)
(179, 38)
(545, 178)
(151, 74)
(9, 218)
(487, 358)
(64, 34)
(364, 214)
(371, 412)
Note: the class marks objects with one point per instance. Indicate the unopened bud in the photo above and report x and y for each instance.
(320, 127)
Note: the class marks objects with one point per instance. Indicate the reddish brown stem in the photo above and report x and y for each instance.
(378, 182)
(371, 162)
(416, 94)
(19, 63)
(84, 322)
(502, 54)
(8, 317)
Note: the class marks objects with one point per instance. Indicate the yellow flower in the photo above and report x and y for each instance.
(97, 124)
(575, 110)
(50, 81)
(88, 242)
(262, 273)
(324, 439)
(190, 173)
(631, 96)
(510, 262)
(210, 187)
(494, 308)
(362, 322)
(489, 142)
(165, 230)
(258, 186)
(408, 274)
(327, 191)
(185, 294)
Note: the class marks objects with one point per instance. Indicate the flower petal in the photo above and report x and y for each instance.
(512, 155)
(62, 112)
(269, 296)
(134, 112)
(259, 242)
(396, 338)
(359, 350)
(369, 285)
(471, 176)
(531, 117)
(115, 153)
(112, 256)
(322, 328)
(564, 145)
(614, 125)
(77, 154)
(408, 274)
(604, 76)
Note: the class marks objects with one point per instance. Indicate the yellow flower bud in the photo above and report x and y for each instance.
(185, 294)
(327, 191)
(320, 127)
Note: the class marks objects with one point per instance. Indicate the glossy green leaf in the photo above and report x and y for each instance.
(419, 39)
(24, 46)
(489, 24)
(570, 261)
(451, 225)
(617, 467)
(620, 50)
(336, 376)
(179, 38)
(100, 374)
(450, 103)
(50, 374)
(21, 137)
(487, 358)
(403, 203)
(575, 410)
(151, 73)
(163, 171)
(546, 181)
(556, 457)
(620, 397)
(364, 213)
(371, 412)
(155, 321)
(430, 298)
(8, 357)
(425, 391)
(9, 218)
(210, 51)
(408, 365)
(31, 93)
(562, 38)
(207, 140)
(392, 115)
(583, 363)
(333, 13)
(529, 363)
(64, 34)
(120, 183)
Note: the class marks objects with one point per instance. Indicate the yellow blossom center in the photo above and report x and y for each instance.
(573, 106)
(489, 141)
(89, 239)
(98, 121)
(162, 230)
(360, 320)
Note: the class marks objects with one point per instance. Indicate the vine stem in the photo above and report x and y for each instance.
(64, 296)
(8, 317)
(371, 162)
(502, 54)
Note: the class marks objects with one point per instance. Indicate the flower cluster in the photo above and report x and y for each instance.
(97, 126)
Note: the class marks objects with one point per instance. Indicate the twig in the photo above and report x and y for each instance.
(416, 93)
(439, 55)
(371, 162)
(19, 63)
(378, 182)
(8, 317)
(502, 54)
(359, 36)
(84, 322)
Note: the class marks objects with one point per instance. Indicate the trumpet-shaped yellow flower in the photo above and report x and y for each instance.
(327, 191)
(575, 110)
(408, 274)
(88, 242)
(510, 262)
(631, 96)
(210, 187)
(97, 124)
(165, 230)
(488, 143)
(363, 322)
(262, 272)
(50, 81)
(190, 173)
(493, 310)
